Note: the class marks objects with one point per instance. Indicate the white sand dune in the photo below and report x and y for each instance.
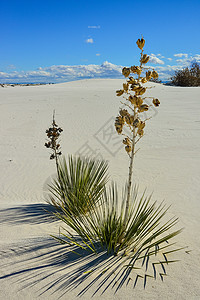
(168, 164)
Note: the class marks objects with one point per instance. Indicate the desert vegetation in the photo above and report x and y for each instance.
(80, 181)
(97, 217)
(187, 76)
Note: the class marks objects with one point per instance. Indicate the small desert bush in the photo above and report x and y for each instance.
(187, 76)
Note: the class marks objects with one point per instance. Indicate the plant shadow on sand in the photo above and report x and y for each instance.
(58, 269)
(30, 213)
(54, 268)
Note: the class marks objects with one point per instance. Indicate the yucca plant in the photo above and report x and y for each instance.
(131, 227)
(79, 184)
(146, 245)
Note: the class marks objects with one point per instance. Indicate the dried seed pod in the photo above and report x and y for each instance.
(118, 129)
(126, 71)
(128, 119)
(143, 107)
(126, 141)
(139, 101)
(141, 91)
(128, 148)
(136, 70)
(135, 100)
(132, 80)
(148, 75)
(155, 74)
(131, 99)
(143, 80)
(118, 126)
(123, 112)
(140, 43)
(119, 122)
(141, 125)
(47, 145)
(125, 87)
(140, 132)
(135, 87)
(119, 92)
(145, 58)
(156, 102)
(136, 123)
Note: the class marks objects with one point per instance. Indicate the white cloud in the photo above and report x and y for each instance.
(155, 60)
(181, 55)
(98, 54)
(94, 27)
(64, 73)
(160, 55)
(196, 57)
(90, 41)
(169, 58)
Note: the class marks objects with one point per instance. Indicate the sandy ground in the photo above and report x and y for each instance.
(168, 164)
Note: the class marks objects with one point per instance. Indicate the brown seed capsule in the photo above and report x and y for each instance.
(141, 91)
(47, 145)
(156, 102)
(145, 58)
(143, 107)
(140, 43)
(126, 71)
(131, 99)
(141, 125)
(136, 70)
(135, 87)
(148, 75)
(119, 92)
(52, 156)
(143, 80)
(128, 148)
(140, 132)
(132, 80)
(125, 87)
(128, 119)
(139, 101)
(118, 129)
(123, 112)
(154, 74)
(136, 123)
(127, 141)
(119, 121)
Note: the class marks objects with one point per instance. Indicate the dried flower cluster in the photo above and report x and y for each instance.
(133, 91)
(53, 134)
(131, 117)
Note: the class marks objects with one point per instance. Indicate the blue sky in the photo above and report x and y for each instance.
(40, 40)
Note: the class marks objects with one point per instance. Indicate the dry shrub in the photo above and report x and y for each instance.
(187, 77)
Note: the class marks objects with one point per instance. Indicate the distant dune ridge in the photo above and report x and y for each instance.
(167, 165)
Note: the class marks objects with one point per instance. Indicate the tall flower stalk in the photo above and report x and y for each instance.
(53, 134)
(132, 116)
